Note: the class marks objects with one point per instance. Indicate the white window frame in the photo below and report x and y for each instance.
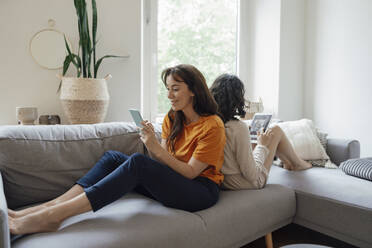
(242, 53)
(149, 48)
(149, 75)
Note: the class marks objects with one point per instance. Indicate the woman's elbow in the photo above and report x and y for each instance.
(192, 174)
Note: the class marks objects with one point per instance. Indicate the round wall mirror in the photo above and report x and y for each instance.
(48, 48)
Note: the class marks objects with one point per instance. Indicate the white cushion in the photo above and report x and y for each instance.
(304, 139)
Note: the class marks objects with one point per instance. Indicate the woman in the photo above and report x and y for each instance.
(244, 168)
(183, 173)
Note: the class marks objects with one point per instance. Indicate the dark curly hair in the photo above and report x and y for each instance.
(228, 91)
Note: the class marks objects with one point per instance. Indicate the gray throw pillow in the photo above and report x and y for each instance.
(361, 168)
(323, 141)
(322, 138)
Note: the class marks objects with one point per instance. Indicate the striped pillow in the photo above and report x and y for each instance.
(358, 167)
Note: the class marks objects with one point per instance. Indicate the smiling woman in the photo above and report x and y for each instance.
(183, 171)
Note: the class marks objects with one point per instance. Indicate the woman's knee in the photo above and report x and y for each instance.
(138, 164)
(277, 131)
(111, 153)
(115, 156)
(277, 134)
(137, 160)
(139, 157)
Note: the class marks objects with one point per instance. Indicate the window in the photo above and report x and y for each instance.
(198, 32)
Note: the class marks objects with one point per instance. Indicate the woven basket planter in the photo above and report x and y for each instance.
(85, 100)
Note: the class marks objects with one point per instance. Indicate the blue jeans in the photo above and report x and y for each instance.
(116, 174)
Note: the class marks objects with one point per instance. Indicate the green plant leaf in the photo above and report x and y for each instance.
(82, 15)
(72, 58)
(87, 44)
(78, 61)
(66, 65)
(90, 55)
(96, 66)
(79, 7)
(67, 46)
(94, 32)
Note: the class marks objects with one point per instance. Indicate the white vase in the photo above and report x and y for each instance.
(85, 100)
(26, 115)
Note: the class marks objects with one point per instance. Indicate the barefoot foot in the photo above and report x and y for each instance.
(35, 222)
(288, 166)
(12, 213)
(303, 165)
(26, 211)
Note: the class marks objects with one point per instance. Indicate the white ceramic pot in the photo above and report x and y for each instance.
(85, 100)
(26, 115)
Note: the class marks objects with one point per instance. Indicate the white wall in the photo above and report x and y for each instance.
(291, 65)
(338, 76)
(24, 83)
(262, 31)
(272, 56)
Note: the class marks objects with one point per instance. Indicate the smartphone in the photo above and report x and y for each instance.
(136, 115)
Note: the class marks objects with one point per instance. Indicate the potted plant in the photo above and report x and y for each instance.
(85, 98)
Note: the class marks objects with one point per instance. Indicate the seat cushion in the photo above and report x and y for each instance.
(244, 215)
(133, 221)
(136, 221)
(330, 201)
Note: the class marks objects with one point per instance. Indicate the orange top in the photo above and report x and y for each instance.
(204, 140)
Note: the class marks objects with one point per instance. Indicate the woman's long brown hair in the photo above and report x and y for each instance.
(203, 101)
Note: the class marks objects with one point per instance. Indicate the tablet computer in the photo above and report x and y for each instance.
(260, 122)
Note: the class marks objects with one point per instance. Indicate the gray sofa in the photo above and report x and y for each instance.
(38, 163)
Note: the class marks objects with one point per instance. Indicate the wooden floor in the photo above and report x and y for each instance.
(295, 234)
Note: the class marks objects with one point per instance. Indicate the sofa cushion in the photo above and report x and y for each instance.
(132, 221)
(305, 141)
(315, 162)
(330, 202)
(31, 171)
(136, 221)
(242, 216)
(358, 167)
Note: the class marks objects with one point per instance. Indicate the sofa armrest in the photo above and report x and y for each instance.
(4, 230)
(340, 150)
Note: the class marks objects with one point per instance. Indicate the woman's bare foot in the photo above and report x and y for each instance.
(41, 221)
(286, 163)
(288, 166)
(26, 211)
(301, 165)
(12, 213)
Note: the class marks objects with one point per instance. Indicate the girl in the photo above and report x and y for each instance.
(244, 168)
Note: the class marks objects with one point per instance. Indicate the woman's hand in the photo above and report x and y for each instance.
(265, 138)
(148, 137)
